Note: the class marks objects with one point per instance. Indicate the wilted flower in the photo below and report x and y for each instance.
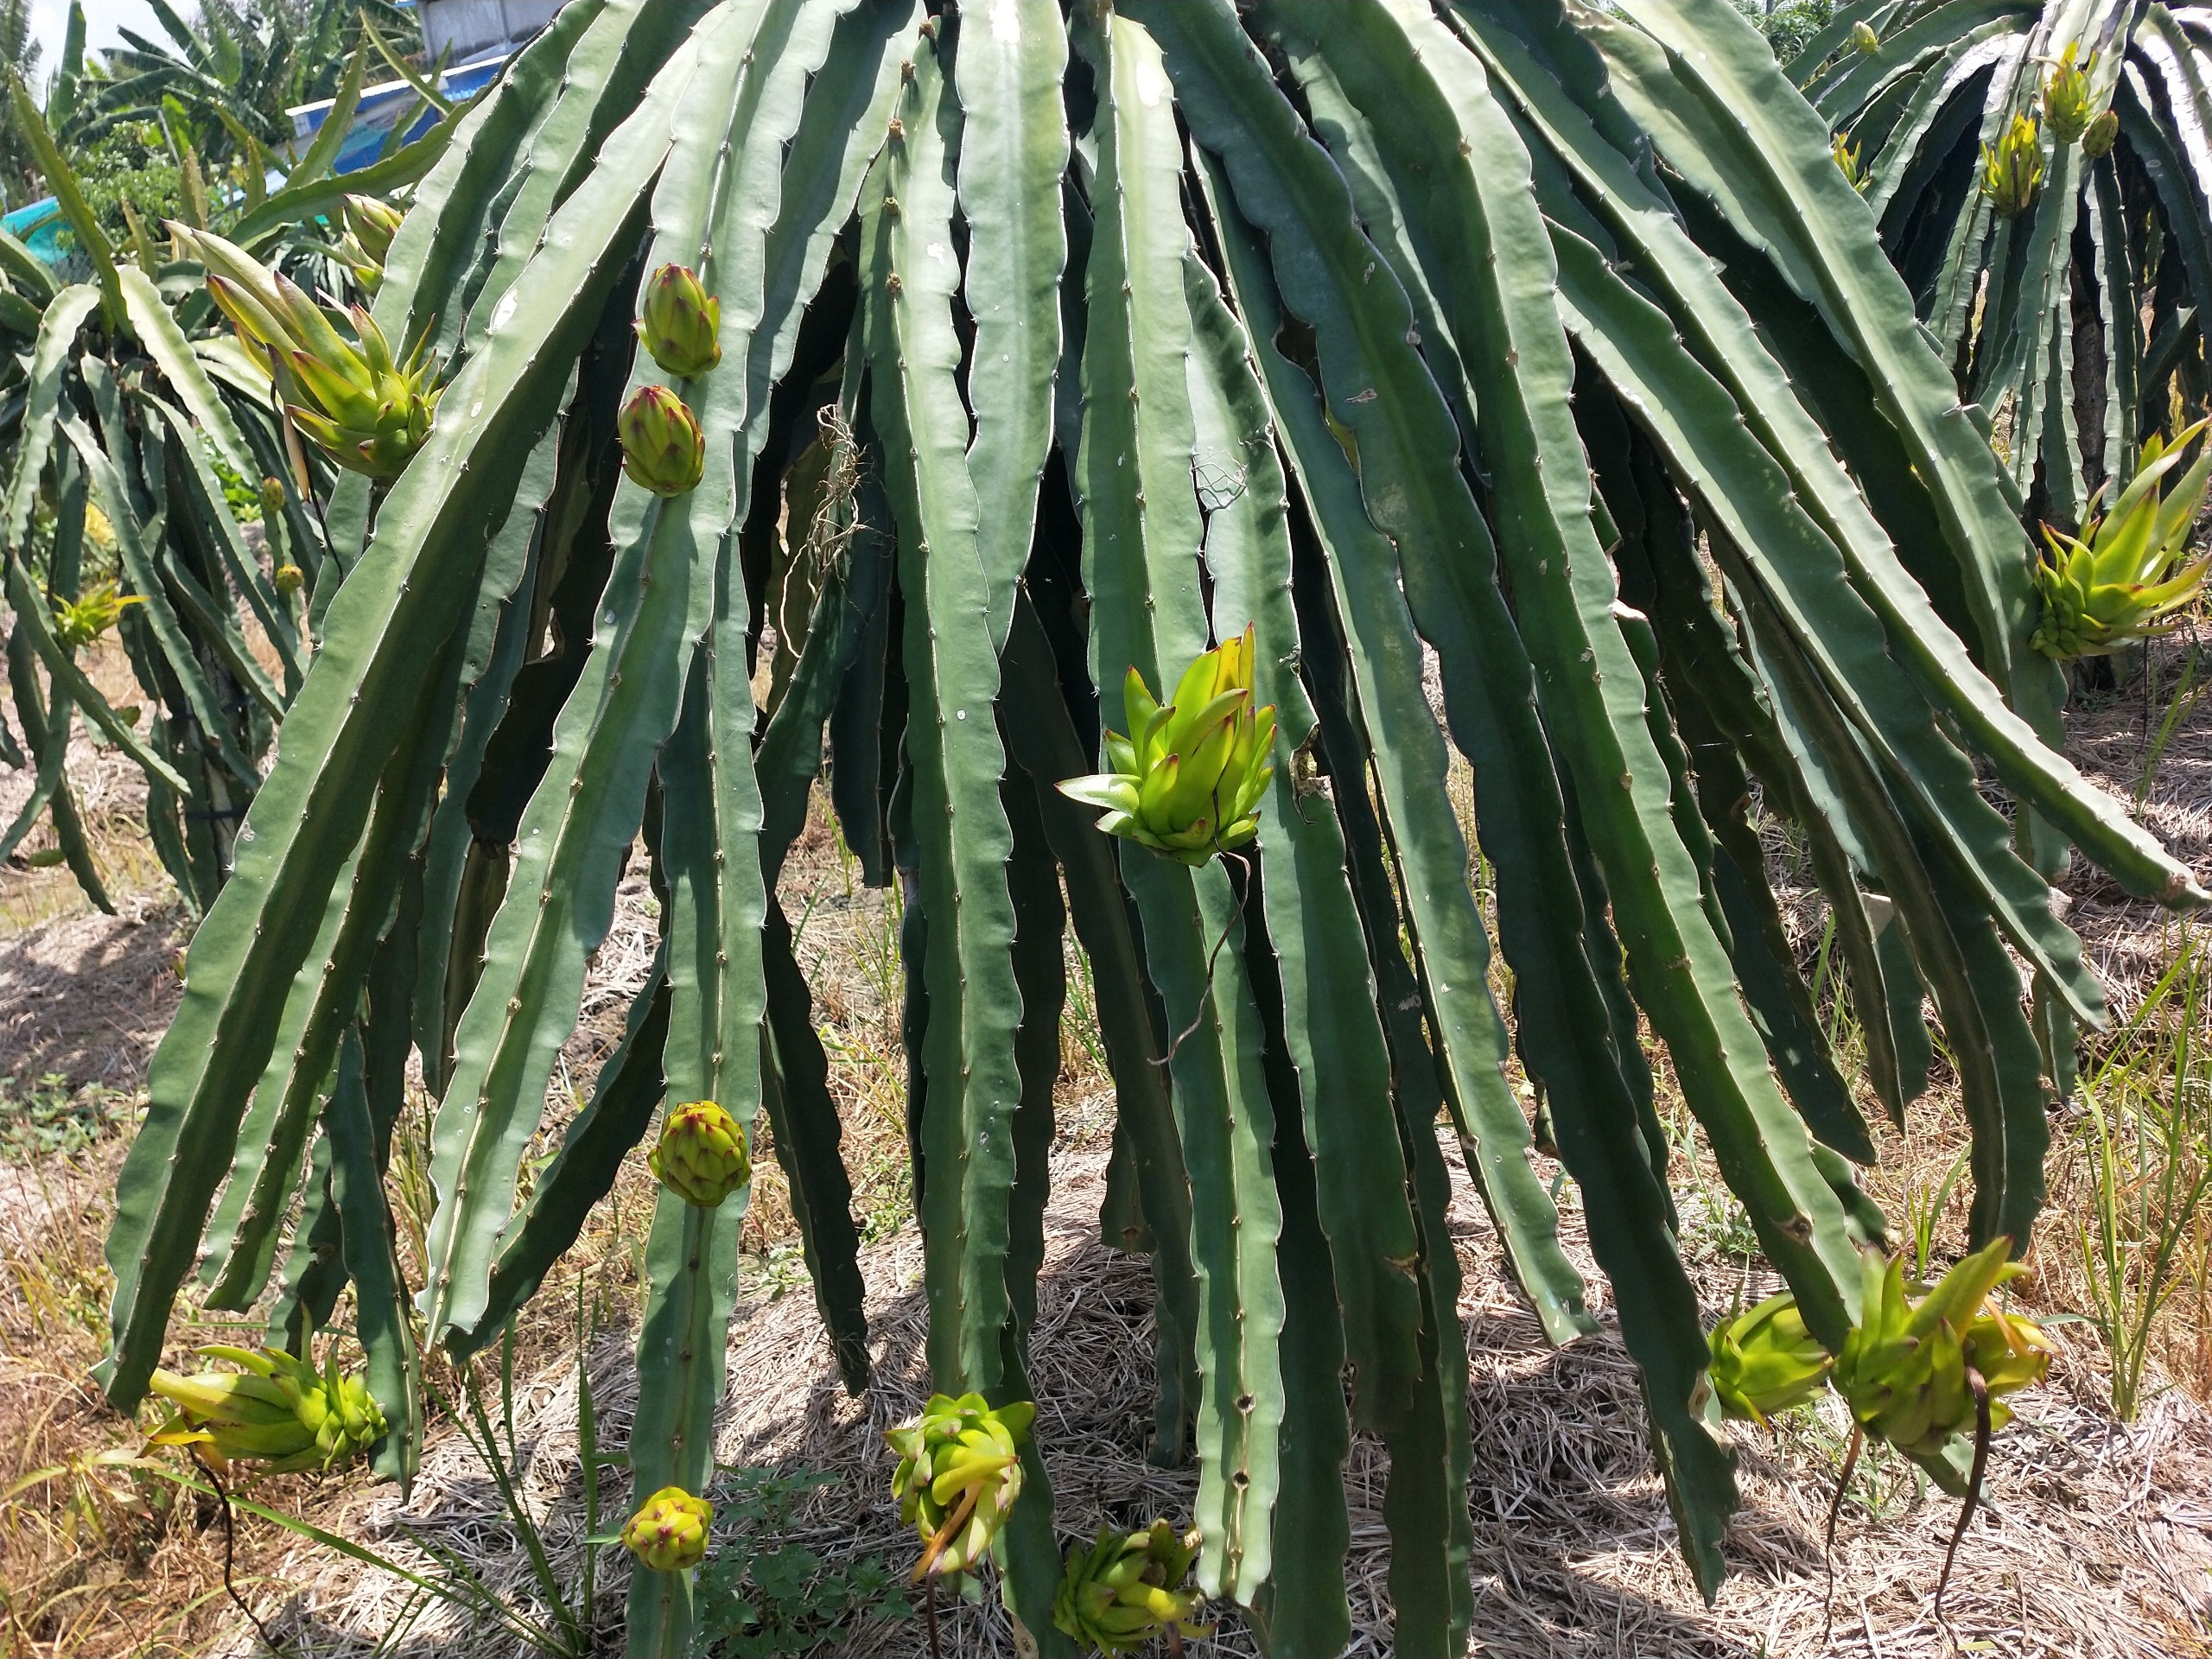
(1902, 1369)
(663, 449)
(1188, 780)
(669, 1532)
(701, 1156)
(680, 322)
(2066, 96)
(278, 1410)
(1128, 1588)
(959, 1473)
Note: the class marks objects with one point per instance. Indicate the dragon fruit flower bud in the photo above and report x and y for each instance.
(663, 449)
(669, 1532)
(682, 323)
(701, 1156)
(2101, 134)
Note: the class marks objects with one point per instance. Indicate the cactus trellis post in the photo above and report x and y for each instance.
(1325, 335)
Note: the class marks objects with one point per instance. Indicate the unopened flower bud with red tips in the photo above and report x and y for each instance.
(701, 1156)
(669, 1532)
(663, 449)
(272, 497)
(680, 322)
(2101, 134)
(287, 578)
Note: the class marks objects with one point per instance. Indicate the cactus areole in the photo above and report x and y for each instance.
(1103, 394)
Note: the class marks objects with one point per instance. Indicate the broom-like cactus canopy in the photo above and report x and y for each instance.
(1489, 383)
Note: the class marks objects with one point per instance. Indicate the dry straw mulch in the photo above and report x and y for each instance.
(2097, 1540)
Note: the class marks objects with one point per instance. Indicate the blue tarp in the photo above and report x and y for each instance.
(41, 228)
(382, 108)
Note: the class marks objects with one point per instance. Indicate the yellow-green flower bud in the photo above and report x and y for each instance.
(959, 1473)
(2101, 135)
(701, 1156)
(369, 411)
(2012, 169)
(1847, 162)
(1128, 1588)
(2066, 103)
(669, 1532)
(663, 449)
(1188, 778)
(1863, 38)
(287, 578)
(370, 225)
(1764, 1361)
(272, 497)
(680, 322)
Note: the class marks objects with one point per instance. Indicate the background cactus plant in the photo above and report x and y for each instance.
(2052, 157)
(1369, 328)
(124, 402)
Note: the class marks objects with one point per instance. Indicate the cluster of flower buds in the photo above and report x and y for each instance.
(2131, 572)
(1764, 1361)
(959, 1473)
(1128, 1588)
(663, 450)
(669, 1532)
(1188, 779)
(2012, 169)
(367, 411)
(78, 621)
(700, 1156)
(1904, 1369)
(278, 1410)
(371, 222)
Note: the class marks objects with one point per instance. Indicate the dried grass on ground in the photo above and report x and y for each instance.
(2098, 1541)
(2095, 1542)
